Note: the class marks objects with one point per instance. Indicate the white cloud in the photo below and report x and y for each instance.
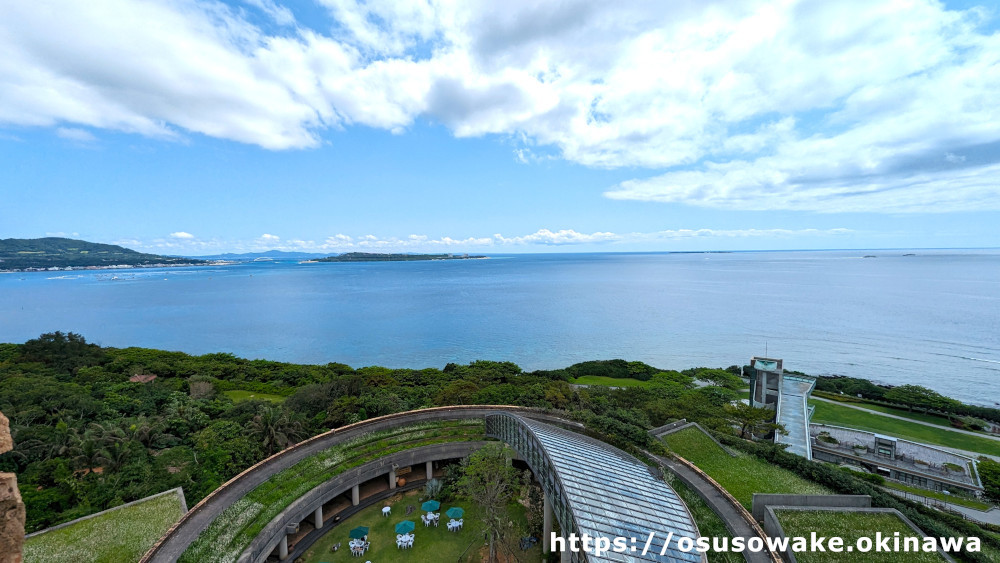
(280, 14)
(497, 243)
(747, 104)
(74, 134)
(181, 235)
(562, 237)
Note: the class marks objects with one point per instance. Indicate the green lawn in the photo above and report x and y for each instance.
(850, 527)
(954, 499)
(839, 415)
(742, 476)
(929, 418)
(430, 544)
(119, 536)
(609, 381)
(238, 395)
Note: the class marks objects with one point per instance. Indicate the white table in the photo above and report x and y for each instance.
(387, 511)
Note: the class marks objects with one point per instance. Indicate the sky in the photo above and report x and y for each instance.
(200, 127)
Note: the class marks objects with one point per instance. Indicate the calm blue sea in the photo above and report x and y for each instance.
(931, 319)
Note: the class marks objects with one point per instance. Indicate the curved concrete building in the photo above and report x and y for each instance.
(590, 487)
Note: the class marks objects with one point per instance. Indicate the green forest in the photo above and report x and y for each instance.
(55, 252)
(95, 427)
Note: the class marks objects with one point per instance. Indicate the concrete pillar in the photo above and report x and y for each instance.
(546, 524)
(283, 548)
(392, 478)
(566, 556)
(318, 518)
(355, 495)
(430, 470)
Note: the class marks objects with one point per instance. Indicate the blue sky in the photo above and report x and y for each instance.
(192, 127)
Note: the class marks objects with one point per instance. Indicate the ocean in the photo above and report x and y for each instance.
(924, 317)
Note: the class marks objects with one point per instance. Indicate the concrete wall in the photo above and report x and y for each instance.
(762, 501)
(666, 428)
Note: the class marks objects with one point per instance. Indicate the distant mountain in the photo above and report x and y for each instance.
(276, 254)
(373, 257)
(54, 252)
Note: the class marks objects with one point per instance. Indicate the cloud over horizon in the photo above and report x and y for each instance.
(733, 105)
(179, 243)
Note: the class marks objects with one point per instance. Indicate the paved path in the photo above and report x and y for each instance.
(792, 415)
(921, 422)
(991, 516)
(733, 518)
(966, 453)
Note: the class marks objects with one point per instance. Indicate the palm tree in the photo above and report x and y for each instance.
(62, 440)
(87, 453)
(147, 432)
(114, 456)
(275, 429)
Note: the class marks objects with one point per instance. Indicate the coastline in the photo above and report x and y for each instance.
(115, 267)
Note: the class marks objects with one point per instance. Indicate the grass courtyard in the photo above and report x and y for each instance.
(609, 381)
(850, 526)
(238, 395)
(743, 475)
(119, 536)
(430, 544)
(937, 420)
(838, 415)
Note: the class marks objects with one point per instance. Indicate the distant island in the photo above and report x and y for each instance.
(264, 255)
(54, 253)
(375, 257)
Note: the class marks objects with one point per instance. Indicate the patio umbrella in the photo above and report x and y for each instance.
(405, 527)
(455, 512)
(430, 506)
(359, 532)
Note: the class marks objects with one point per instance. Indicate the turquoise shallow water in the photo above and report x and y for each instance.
(932, 319)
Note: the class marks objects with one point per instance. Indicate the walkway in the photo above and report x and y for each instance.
(733, 518)
(991, 516)
(921, 422)
(793, 414)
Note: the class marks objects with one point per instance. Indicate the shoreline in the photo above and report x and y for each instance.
(114, 267)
